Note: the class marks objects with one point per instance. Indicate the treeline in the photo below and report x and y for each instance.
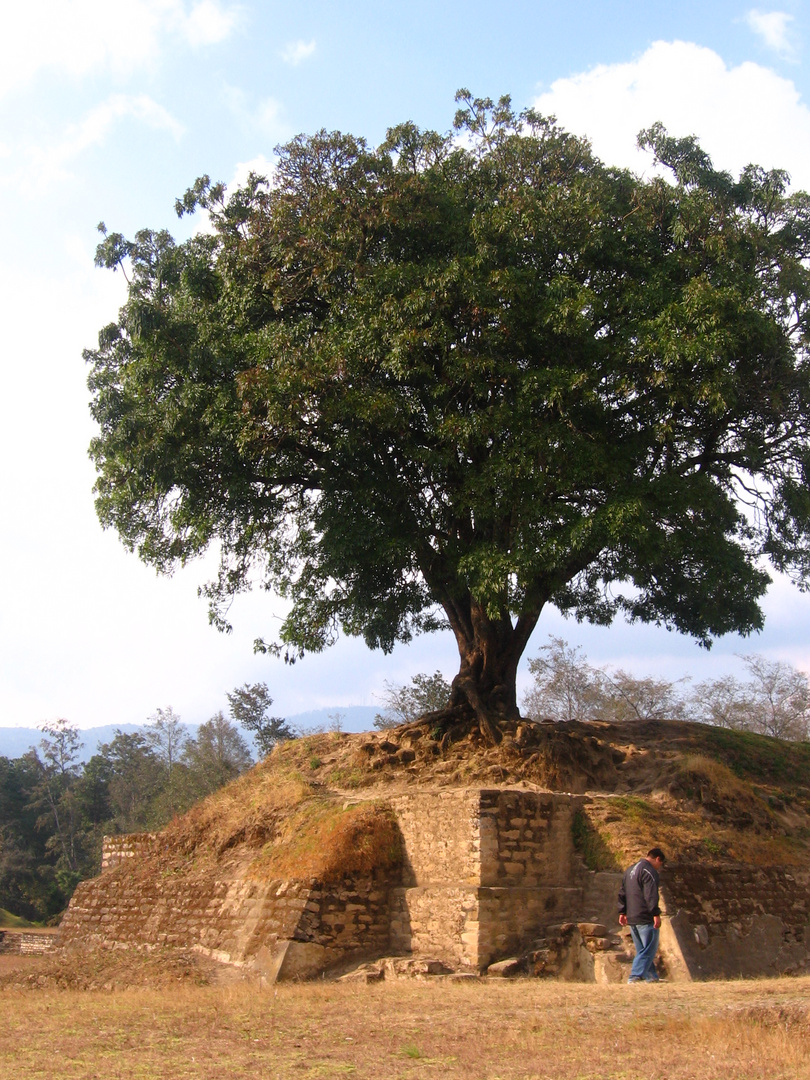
(54, 810)
(774, 698)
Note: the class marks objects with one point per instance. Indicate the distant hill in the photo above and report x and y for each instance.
(16, 741)
(353, 718)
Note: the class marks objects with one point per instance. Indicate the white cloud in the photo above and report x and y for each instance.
(80, 36)
(740, 114)
(260, 165)
(773, 27)
(42, 167)
(207, 23)
(99, 121)
(265, 118)
(294, 52)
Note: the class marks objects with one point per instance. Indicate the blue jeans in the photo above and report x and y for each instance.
(645, 939)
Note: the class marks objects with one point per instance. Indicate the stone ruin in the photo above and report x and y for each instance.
(489, 881)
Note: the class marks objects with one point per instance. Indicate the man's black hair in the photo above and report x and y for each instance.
(656, 853)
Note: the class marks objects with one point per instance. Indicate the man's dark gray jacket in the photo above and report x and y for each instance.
(638, 896)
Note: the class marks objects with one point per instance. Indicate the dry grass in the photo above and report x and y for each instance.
(483, 1030)
(622, 825)
(328, 840)
(248, 811)
(701, 793)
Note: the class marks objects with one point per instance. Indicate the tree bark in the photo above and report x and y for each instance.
(490, 651)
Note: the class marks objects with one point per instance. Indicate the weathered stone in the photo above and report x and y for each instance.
(505, 969)
(588, 929)
(486, 874)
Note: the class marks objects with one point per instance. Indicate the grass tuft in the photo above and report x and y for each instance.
(592, 845)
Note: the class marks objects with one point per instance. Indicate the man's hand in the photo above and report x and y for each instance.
(657, 922)
(623, 920)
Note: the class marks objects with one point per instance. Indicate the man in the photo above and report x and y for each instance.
(638, 909)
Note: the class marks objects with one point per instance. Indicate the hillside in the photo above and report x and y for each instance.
(705, 794)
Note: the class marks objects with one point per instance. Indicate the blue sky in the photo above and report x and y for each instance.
(109, 110)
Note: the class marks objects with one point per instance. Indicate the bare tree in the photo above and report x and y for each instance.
(566, 687)
(626, 697)
(780, 698)
(404, 703)
(723, 702)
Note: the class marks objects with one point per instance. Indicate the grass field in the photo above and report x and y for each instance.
(479, 1030)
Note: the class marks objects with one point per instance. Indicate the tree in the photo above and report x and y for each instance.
(28, 885)
(250, 707)
(218, 755)
(723, 702)
(459, 377)
(565, 687)
(59, 768)
(167, 736)
(136, 779)
(627, 697)
(404, 704)
(778, 699)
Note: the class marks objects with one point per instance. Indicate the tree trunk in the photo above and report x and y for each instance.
(490, 651)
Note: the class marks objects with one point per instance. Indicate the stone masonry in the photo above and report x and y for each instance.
(485, 871)
(486, 874)
(26, 943)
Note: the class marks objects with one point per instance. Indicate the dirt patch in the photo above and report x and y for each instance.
(328, 840)
(113, 969)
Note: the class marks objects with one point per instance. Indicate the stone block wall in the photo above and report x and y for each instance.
(526, 838)
(441, 837)
(25, 943)
(434, 909)
(485, 872)
(231, 918)
(116, 849)
(740, 920)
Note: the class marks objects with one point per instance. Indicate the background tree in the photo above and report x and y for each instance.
(723, 702)
(135, 781)
(775, 700)
(565, 685)
(28, 883)
(250, 707)
(167, 737)
(628, 697)
(403, 704)
(778, 699)
(59, 767)
(459, 377)
(55, 810)
(215, 757)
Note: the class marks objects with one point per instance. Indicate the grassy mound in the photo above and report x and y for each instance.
(317, 806)
(13, 922)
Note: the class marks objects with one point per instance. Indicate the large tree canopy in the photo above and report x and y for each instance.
(462, 376)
